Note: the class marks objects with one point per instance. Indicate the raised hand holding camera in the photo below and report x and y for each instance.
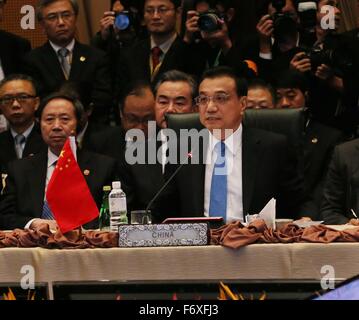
(301, 62)
(191, 26)
(106, 23)
(265, 31)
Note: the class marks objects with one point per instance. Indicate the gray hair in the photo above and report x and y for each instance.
(177, 76)
(44, 3)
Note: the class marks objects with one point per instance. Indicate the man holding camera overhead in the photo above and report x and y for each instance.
(208, 32)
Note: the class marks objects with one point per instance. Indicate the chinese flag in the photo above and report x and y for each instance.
(68, 195)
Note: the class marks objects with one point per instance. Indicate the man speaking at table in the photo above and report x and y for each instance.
(240, 169)
(24, 203)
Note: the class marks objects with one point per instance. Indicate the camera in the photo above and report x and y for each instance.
(335, 58)
(284, 25)
(123, 20)
(210, 21)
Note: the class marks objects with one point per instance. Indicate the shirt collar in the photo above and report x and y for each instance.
(166, 45)
(69, 47)
(51, 158)
(81, 135)
(26, 133)
(233, 142)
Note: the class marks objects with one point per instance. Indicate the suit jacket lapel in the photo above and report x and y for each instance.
(144, 56)
(10, 147)
(79, 61)
(37, 179)
(198, 175)
(52, 63)
(34, 142)
(250, 158)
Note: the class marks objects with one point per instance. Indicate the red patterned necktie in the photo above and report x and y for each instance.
(156, 54)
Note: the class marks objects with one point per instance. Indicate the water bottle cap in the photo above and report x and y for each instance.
(106, 188)
(116, 185)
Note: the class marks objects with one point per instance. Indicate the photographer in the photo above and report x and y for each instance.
(118, 27)
(209, 32)
(278, 33)
(327, 63)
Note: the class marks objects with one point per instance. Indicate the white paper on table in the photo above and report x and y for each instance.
(268, 213)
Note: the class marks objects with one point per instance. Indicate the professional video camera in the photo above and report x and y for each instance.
(284, 25)
(210, 21)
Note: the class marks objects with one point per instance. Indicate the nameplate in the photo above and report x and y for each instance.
(163, 235)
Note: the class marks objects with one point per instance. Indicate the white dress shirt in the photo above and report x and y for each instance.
(234, 174)
(164, 147)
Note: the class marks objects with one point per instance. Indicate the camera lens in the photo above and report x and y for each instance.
(122, 21)
(208, 22)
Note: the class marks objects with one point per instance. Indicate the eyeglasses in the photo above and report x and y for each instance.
(219, 98)
(161, 10)
(21, 98)
(65, 16)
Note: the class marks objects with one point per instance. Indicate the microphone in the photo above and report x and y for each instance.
(159, 192)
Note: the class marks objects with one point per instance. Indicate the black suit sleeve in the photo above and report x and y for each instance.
(291, 201)
(9, 219)
(101, 92)
(333, 206)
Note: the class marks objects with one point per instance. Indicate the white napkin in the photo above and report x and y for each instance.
(268, 213)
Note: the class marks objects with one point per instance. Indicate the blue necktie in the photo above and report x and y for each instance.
(218, 196)
(46, 212)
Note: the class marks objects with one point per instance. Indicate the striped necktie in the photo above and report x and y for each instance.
(218, 195)
(66, 67)
(19, 144)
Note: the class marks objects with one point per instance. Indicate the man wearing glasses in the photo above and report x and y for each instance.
(242, 168)
(162, 51)
(63, 58)
(174, 93)
(18, 103)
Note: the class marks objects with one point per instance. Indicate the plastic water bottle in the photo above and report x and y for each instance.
(104, 219)
(118, 206)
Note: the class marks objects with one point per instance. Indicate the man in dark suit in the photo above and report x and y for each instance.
(23, 201)
(319, 139)
(217, 46)
(63, 58)
(340, 197)
(238, 170)
(174, 93)
(18, 103)
(164, 50)
(12, 49)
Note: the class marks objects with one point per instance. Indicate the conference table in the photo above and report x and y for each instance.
(297, 261)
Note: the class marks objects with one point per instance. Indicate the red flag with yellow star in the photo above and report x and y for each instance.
(68, 194)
